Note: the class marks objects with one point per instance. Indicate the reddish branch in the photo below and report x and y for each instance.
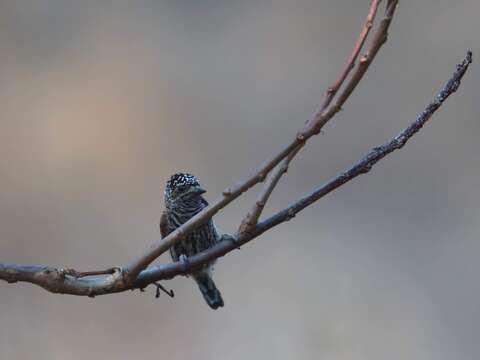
(250, 220)
(136, 274)
(322, 116)
(332, 90)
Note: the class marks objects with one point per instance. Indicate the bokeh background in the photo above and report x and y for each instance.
(100, 101)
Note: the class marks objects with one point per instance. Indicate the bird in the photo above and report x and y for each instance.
(183, 200)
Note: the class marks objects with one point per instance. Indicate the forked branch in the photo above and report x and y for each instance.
(59, 281)
(315, 125)
(137, 276)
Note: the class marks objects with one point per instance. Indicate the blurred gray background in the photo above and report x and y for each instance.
(100, 101)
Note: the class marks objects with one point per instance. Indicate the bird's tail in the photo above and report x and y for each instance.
(208, 289)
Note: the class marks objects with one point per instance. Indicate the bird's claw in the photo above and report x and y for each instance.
(228, 237)
(161, 288)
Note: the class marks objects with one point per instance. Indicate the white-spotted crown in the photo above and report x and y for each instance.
(178, 183)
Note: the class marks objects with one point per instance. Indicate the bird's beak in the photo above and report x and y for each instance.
(198, 190)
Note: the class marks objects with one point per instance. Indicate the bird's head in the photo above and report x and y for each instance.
(182, 186)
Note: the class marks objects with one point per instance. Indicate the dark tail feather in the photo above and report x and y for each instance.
(208, 289)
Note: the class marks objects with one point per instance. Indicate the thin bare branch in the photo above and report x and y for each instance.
(332, 90)
(59, 281)
(322, 117)
(379, 39)
(251, 218)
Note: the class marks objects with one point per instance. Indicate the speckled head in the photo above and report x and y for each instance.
(180, 184)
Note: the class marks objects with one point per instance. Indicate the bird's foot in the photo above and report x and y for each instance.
(228, 237)
(161, 288)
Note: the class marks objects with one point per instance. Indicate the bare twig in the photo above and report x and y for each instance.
(379, 39)
(323, 116)
(57, 281)
(251, 218)
(332, 90)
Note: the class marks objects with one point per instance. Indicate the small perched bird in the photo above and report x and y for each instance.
(183, 200)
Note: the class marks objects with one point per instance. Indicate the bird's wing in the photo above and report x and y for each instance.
(164, 231)
(164, 228)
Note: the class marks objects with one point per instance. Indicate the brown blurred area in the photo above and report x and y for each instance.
(100, 101)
